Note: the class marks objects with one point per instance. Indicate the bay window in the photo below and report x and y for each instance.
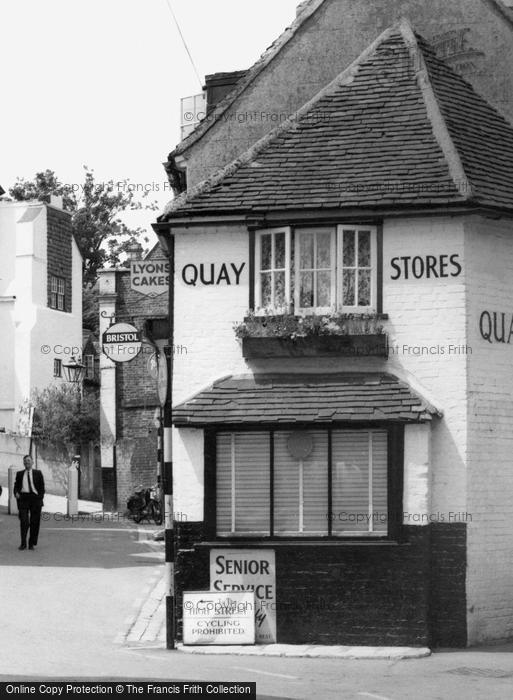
(308, 483)
(316, 270)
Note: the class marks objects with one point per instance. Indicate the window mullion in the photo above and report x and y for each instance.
(301, 496)
(233, 481)
(330, 484)
(371, 495)
(271, 483)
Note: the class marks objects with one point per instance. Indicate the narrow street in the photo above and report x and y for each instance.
(65, 607)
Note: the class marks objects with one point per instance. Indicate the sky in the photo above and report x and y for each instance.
(99, 82)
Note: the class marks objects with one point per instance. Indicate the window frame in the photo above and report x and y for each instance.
(57, 293)
(311, 311)
(57, 365)
(89, 366)
(292, 269)
(341, 228)
(259, 308)
(395, 476)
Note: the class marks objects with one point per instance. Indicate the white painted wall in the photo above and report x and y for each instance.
(489, 250)
(431, 314)
(27, 323)
(422, 313)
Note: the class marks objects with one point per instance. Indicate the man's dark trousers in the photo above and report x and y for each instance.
(29, 508)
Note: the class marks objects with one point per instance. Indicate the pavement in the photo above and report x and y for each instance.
(146, 625)
(88, 604)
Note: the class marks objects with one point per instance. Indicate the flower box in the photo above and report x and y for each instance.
(375, 345)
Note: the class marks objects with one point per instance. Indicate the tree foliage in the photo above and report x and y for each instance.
(100, 233)
(61, 415)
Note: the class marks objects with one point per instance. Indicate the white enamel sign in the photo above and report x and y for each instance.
(254, 570)
(218, 618)
(121, 342)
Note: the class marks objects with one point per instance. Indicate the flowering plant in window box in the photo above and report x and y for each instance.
(328, 335)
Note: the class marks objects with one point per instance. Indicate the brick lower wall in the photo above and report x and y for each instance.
(448, 568)
(410, 594)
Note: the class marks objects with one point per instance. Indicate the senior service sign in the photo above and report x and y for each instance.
(249, 570)
(150, 277)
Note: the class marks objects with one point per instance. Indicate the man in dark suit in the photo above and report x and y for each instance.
(29, 490)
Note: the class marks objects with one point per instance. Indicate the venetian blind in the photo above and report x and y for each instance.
(243, 474)
(301, 487)
(359, 481)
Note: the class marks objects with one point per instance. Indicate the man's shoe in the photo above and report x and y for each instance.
(31, 546)
(22, 546)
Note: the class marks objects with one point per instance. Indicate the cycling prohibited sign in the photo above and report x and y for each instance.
(121, 342)
(219, 618)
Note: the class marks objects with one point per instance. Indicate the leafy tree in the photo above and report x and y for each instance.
(62, 415)
(91, 308)
(101, 235)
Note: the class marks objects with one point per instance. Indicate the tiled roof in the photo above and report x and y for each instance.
(397, 128)
(297, 398)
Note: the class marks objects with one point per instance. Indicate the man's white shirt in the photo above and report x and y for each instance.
(26, 485)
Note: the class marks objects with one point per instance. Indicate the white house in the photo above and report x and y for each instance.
(361, 467)
(40, 300)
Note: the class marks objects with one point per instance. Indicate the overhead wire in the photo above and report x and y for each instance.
(185, 44)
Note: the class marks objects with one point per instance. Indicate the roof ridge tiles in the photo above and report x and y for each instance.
(434, 112)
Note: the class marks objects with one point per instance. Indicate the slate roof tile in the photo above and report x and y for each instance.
(398, 127)
(249, 399)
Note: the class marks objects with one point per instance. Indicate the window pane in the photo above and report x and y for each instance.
(306, 300)
(364, 249)
(286, 487)
(364, 287)
(266, 282)
(348, 298)
(266, 252)
(349, 249)
(224, 482)
(301, 487)
(252, 474)
(279, 252)
(279, 289)
(242, 483)
(323, 250)
(379, 481)
(350, 481)
(306, 244)
(323, 288)
(356, 506)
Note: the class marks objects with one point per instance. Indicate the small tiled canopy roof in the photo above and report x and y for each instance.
(298, 398)
(398, 128)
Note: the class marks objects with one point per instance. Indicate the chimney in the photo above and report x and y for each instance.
(134, 252)
(218, 85)
(56, 201)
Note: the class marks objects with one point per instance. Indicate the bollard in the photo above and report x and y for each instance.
(72, 495)
(12, 507)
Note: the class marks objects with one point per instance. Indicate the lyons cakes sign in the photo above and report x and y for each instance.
(149, 277)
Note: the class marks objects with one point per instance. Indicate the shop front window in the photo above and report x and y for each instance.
(313, 483)
(316, 270)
